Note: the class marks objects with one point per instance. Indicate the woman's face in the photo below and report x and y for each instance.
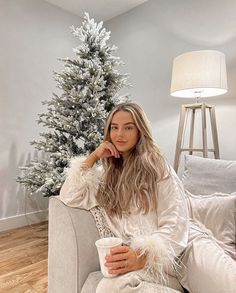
(123, 132)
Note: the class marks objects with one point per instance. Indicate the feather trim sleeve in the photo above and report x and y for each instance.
(81, 185)
(165, 244)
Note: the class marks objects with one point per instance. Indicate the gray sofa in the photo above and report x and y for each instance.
(73, 260)
(72, 255)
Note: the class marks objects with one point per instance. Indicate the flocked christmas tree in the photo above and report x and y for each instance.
(74, 120)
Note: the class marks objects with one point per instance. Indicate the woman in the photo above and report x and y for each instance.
(143, 203)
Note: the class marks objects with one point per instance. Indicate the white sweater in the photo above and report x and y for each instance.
(162, 234)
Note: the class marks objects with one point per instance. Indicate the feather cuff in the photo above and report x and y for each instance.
(80, 177)
(161, 257)
(81, 185)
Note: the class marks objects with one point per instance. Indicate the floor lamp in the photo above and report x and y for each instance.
(198, 74)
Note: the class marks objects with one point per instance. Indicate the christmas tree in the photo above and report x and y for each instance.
(89, 86)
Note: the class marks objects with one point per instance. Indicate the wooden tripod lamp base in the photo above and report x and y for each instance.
(204, 109)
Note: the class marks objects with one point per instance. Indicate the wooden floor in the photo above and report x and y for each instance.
(23, 259)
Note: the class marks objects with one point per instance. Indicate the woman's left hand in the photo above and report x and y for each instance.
(124, 259)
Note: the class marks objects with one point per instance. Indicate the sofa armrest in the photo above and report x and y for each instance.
(72, 254)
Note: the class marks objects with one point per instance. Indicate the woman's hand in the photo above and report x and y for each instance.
(105, 150)
(124, 259)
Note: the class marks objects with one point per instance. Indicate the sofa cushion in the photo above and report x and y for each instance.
(207, 176)
(91, 283)
(218, 213)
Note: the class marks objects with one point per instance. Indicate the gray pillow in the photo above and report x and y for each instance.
(218, 213)
(207, 176)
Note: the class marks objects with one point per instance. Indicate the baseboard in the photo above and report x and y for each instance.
(23, 220)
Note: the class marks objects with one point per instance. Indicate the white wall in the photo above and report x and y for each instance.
(151, 35)
(33, 35)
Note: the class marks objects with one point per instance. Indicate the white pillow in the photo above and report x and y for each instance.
(218, 213)
(207, 176)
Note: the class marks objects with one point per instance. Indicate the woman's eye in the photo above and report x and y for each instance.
(113, 127)
(129, 128)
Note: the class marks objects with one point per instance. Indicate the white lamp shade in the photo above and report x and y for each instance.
(199, 74)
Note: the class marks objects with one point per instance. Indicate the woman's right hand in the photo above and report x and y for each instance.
(106, 149)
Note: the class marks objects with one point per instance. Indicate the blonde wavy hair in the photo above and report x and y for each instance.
(132, 183)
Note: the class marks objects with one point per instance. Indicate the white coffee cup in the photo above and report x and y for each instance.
(103, 246)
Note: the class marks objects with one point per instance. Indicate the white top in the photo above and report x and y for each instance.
(162, 234)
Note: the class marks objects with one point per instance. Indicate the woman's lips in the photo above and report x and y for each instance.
(121, 142)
